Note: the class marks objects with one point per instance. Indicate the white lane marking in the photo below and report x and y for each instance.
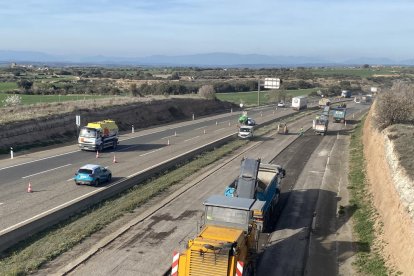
(38, 160)
(191, 138)
(166, 137)
(70, 179)
(220, 129)
(200, 127)
(97, 190)
(151, 152)
(130, 147)
(46, 171)
(1, 203)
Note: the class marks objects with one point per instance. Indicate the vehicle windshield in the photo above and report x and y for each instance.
(244, 129)
(227, 217)
(88, 133)
(85, 171)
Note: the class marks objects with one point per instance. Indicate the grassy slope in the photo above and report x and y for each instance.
(368, 259)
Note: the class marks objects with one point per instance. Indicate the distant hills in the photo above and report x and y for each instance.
(202, 60)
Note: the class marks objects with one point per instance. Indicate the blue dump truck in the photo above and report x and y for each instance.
(339, 115)
(260, 182)
(321, 122)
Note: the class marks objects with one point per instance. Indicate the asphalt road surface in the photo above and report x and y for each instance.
(50, 172)
(299, 244)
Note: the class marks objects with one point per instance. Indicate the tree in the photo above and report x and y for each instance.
(25, 84)
(134, 90)
(12, 100)
(175, 76)
(207, 91)
(395, 106)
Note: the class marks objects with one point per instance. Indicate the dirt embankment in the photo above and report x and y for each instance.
(62, 127)
(390, 198)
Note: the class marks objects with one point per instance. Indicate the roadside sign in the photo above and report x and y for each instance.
(272, 83)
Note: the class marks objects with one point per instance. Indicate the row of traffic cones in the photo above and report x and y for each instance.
(113, 160)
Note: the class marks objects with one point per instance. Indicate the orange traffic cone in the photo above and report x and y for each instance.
(97, 154)
(29, 188)
(114, 161)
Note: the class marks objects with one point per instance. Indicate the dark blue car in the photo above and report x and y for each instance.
(92, 175)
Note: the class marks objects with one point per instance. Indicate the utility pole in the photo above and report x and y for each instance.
(258, 92)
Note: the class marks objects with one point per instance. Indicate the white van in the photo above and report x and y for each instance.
(246, 132)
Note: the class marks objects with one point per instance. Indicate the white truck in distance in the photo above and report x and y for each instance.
(300, 102)
(98, 135)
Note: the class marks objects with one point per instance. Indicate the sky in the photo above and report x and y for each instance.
(138, 28)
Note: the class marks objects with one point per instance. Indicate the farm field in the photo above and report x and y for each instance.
(355, 72)
(6, 86)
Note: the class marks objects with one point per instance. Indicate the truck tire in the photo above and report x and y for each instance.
(100, 148)
(96, 183)
(114, 144)
(109, 178)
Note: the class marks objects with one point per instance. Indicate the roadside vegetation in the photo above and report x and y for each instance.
(368, 258)
(394, 111)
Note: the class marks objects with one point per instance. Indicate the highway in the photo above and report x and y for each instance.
(298, 244)
(50, 172)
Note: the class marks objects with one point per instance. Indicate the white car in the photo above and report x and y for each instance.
(281, 104)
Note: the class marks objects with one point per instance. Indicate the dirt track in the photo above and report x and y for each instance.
(398, 228)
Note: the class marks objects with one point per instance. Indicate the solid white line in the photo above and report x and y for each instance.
(220, 129)
(191, 138)
(46, 171)
(151, 152)
(39, 160)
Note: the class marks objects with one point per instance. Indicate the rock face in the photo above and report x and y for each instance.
(58, 128)
(392, 193)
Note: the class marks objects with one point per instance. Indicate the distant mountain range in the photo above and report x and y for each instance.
(203, 60)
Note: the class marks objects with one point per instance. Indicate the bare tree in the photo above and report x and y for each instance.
(395, 106)
(207, 91)
(134, 90)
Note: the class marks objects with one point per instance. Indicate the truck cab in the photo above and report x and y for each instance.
(227, 239)
(98, 135)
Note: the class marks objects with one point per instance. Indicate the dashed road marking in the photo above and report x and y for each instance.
(151, 152)
(191, 138)
(46, 171)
